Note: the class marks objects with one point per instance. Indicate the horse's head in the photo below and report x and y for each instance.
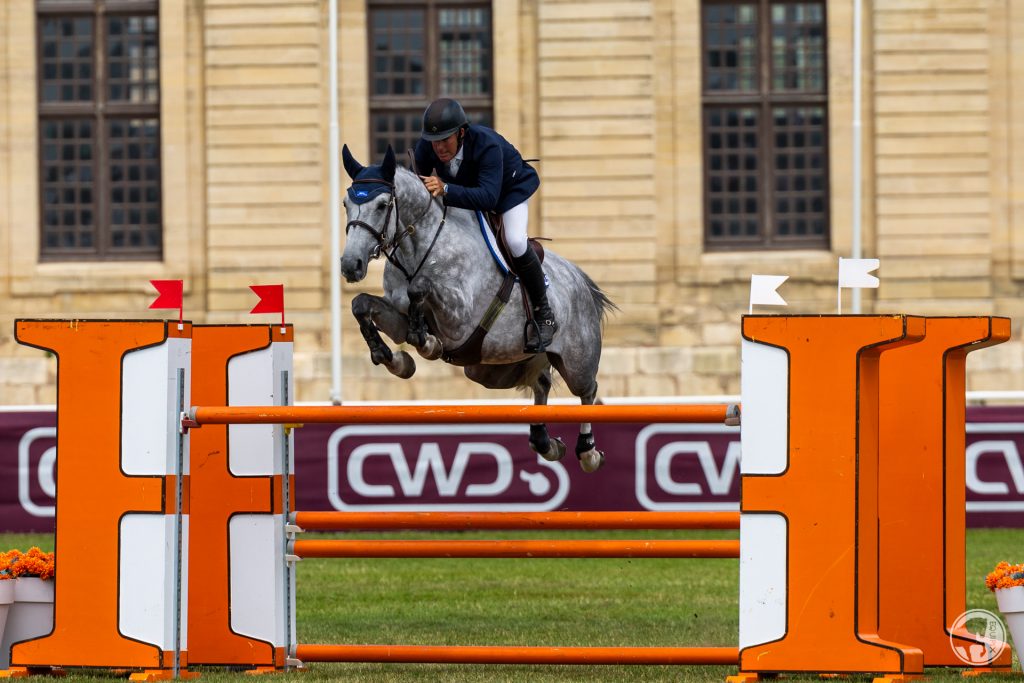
(372, 217)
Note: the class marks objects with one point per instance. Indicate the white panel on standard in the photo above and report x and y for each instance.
(762, 578)
(149, 406)
(764, 383)
(257, 585)
(251, 382)
(146, 591)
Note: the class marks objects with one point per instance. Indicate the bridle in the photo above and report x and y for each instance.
(390, 248)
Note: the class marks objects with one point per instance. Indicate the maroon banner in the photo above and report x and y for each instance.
(491, 467)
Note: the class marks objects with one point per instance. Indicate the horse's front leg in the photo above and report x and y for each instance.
(418, 334)
(375, 315)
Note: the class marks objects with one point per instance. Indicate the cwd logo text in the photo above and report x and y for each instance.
(440, 467)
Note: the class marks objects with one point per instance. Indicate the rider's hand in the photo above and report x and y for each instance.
(433, 184)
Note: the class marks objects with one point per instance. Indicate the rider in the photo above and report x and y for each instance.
(478, 169)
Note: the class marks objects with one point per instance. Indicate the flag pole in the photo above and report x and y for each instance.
(334, 194)
(856, 199)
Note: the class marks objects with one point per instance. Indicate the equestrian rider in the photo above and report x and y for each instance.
(478, 169)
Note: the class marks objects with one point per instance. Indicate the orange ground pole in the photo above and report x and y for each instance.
(489, 414)
(338, 521)
(424, 654)
(551, 548)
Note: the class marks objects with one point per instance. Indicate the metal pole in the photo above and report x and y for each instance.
(334, 195)
(179, 547)
(470, 414)
(341, 521)
(548, 548)
(857, 180)
(482, 654)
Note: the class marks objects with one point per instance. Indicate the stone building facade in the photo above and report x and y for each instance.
(612, 97)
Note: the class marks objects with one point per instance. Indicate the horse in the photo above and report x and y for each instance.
(440, 285)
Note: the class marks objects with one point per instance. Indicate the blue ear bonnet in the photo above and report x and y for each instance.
(362, 192)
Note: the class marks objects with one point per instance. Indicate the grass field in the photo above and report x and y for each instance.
(646, 602)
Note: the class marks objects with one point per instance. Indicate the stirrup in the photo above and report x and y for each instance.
(537, 343)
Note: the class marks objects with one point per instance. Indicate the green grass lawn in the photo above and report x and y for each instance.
(584, 602)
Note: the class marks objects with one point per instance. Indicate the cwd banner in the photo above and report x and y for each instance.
(490, 467)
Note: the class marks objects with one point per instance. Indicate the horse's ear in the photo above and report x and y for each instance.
(387, 167)
(352, 167)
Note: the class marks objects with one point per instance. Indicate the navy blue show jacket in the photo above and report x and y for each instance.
(492, 176)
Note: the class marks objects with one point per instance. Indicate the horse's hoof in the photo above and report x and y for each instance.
(402, 365)
(591, 461)
(431, 348)
(556, 452)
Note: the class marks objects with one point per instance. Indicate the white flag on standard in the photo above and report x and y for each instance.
(762, 290)
(855, 272)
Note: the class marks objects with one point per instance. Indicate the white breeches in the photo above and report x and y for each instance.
(517, 220)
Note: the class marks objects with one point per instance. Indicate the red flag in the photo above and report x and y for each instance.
(271, 299)
(170, 295)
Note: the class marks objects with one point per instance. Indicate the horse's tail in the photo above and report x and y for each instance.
(603, 304)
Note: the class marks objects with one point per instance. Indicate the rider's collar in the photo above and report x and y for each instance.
(365, 188)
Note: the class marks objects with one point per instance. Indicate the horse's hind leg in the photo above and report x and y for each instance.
(540, 442)
(376, 314)
(591, 459)
(534, 374)
(583, 385)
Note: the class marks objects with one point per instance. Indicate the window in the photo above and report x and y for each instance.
(420, 51)
(99, 130)
(765, 100)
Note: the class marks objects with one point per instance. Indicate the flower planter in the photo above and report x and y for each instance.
(6, 598)
(30, 615)
(1011, 604)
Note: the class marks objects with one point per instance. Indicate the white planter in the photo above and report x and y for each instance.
(1011, 604)
(6, 598)
(30, 616)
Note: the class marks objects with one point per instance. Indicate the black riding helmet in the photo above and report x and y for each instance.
(442, 118)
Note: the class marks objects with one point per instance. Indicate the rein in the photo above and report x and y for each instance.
(390, 249)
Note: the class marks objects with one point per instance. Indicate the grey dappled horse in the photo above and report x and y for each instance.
(439, 287)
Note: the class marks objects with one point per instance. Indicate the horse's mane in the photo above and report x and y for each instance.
(401, 171)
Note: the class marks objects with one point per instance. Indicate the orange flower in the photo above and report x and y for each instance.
(6, 560)
(1005, 575)
(35, 562)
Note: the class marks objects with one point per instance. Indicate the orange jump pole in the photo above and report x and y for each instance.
(515, 548)
(490, 414)
(454, 654)
(339, 521)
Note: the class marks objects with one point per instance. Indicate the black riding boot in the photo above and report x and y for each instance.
(531, 278)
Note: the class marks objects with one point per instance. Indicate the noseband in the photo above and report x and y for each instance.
(389, 249)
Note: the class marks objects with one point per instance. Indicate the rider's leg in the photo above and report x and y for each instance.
(531, 275)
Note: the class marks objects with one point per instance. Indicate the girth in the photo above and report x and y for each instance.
(471, 351)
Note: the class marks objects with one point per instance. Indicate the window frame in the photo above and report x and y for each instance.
(764, 100)
(101, 110)
(415, 104)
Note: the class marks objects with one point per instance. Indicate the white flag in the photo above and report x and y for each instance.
(762, 290)
(855, 272)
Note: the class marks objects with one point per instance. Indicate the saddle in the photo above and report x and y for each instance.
(497, 226)
(470, 351)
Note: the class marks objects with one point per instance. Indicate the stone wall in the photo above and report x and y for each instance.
(607, 95)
